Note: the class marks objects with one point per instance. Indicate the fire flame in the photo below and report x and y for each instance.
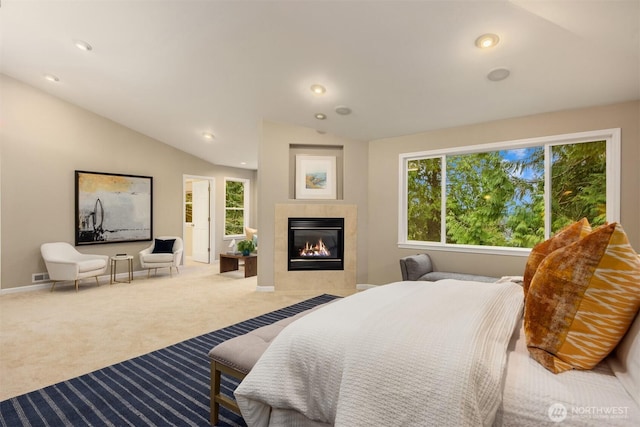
(319, 249)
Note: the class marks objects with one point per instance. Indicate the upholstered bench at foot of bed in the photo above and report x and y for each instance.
(237, 356)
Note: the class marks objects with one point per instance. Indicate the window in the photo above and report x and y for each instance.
(236, 211)
(188, 206)
(503, 196)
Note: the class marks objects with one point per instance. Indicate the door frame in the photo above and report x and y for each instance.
(212, 198)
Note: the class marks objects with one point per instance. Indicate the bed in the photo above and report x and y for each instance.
(559, 346)
(450, 353)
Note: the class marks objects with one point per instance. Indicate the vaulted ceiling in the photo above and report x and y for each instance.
(175, 69)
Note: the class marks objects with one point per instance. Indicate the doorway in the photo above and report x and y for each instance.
(198, 230)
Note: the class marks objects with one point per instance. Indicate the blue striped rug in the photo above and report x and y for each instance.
(168, 387)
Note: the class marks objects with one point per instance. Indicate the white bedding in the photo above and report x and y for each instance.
(362, 361)
(590, 398)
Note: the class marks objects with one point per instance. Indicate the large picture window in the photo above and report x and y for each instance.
(236, 211)
(508, 195)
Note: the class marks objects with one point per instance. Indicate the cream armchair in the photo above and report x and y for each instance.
(65, 263)
(165, 251)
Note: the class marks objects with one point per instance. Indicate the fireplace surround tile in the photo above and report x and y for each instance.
(322, 279)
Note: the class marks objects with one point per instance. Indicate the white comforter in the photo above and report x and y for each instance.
(407, 353)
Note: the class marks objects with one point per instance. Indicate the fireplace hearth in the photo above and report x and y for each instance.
(316, 244)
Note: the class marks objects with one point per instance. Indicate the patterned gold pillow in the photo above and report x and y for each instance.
(582, 299)
(570, 234)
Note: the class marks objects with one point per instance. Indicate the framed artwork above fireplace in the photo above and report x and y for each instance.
(315, 177)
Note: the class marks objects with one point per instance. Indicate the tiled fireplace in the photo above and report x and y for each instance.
(315, 246)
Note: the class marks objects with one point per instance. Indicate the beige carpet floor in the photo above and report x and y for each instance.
(47, 337)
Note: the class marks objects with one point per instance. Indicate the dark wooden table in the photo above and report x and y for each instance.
(229, 262)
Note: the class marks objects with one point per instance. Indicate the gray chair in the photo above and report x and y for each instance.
(164, 252)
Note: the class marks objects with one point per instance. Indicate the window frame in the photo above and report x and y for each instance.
(246, 206)
(610, 136)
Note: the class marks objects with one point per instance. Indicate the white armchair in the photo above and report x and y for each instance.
(165, 251)
(64, 263)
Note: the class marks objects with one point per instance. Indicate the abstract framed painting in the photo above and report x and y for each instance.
(112, 208)
(315, 177)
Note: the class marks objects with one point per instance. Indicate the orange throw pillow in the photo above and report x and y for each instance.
(570, 234)
(582, 299)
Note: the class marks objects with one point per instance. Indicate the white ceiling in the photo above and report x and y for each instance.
(173, 69)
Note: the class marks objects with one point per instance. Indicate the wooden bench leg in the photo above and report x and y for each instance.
(215, 391)
(217, 398)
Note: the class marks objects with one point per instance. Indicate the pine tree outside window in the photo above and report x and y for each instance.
(508, 196)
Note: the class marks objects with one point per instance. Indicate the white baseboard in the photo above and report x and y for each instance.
(265, 288)
(364, 286)
(27, 288)
(47, 285)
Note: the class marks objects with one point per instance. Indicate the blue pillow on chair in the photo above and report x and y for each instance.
(163, 246)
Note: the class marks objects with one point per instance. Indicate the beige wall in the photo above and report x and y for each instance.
(383, 182)
(274, 175)
(44, 140)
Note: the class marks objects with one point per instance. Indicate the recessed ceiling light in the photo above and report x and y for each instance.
(498, 74)
(487, 40)
(207, 135)
(320, 116)
(343, 110)
(243, 163)
(82, 45)
(51, 78)
(318, 89)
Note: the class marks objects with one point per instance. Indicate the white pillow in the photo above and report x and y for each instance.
(626, 363)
